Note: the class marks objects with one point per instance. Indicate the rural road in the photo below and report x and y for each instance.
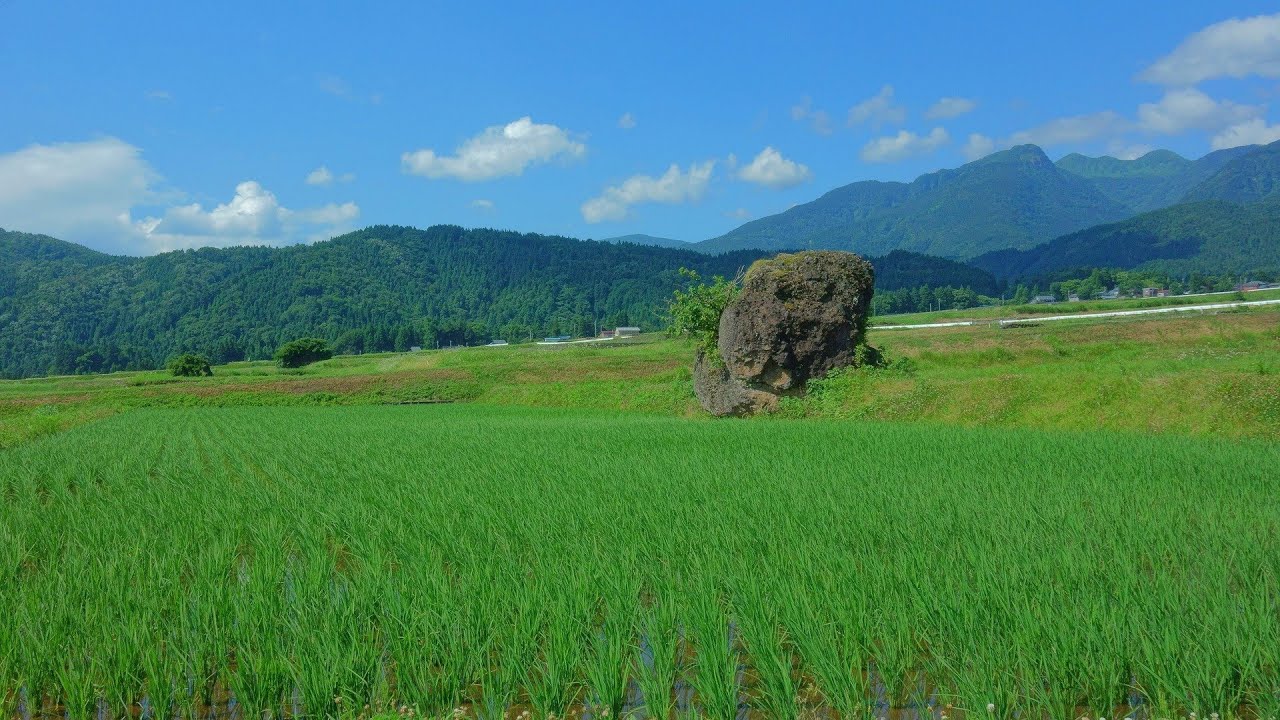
(1082, 316)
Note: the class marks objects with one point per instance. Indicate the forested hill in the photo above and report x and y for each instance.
(64, 308)
(1210, 237)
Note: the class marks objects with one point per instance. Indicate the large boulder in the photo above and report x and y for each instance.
(798, 317)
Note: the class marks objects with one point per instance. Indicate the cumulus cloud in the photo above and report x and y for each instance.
(949, 107)
(878, 109)
(323, 176)
(1191, 109)
(819, 120)
(674, 187)
(978, 145)
(892, 148)
(627, 121)
(771, 169)
(483, 205)
(1232, 48)
(88, 192)
(78, 191)
(498, 151)
(253, 216)
(1253, 132)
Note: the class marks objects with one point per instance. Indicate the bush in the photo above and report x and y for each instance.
(190, 365)
(303, 351)
(696, 312)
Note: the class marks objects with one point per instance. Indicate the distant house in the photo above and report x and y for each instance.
(1073, 298)
(497, 343)
(606, 333)
(558, 339)
(1256, 285)
(624, 331)
(1112, 294)
(415, 348)
(1154, 292)
(1043, 299)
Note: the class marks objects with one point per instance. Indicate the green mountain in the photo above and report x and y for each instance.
(1014, 198)
(1210, 237)
(641, 239)
(1156, 180)
(64, 308)
(1250, 176)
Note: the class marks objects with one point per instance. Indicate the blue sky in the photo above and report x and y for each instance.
(142, 127)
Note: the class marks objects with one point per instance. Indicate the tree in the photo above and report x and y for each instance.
(696, 312)
(190, 365)
(303, 351)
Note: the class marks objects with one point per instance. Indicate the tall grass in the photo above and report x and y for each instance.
(321, 561)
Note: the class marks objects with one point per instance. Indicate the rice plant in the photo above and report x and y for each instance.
(345, 562)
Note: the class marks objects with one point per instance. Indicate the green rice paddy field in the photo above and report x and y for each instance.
(439, 560)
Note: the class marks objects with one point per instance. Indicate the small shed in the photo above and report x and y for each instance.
(624, 331)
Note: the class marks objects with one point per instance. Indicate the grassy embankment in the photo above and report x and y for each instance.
(312, 560)
(1213, 374)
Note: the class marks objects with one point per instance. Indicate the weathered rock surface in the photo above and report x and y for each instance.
(723, 394)
(798, 317)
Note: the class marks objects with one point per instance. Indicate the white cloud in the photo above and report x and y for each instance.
(320, 176)
(1232, 48)
(1190, 109)
(1253, 132)
(1073, 129)
(818, 119)
(949, 107)
(977, 146)
(674, 187)
(739, 214)
(77, 191)
(499, 151)
(252, 217)
(627, 121)
(483, 205)
(87, 192)
(1123, 151)
(892, 148)
(334, 85)
(878, 110)
(323, 176)
(159, 95)
(770, 169)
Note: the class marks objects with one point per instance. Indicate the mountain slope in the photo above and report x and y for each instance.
(66, 309)
(1214, 236)
(1250, 176)
(1015, 198)
(642, 239)
(1156, 180)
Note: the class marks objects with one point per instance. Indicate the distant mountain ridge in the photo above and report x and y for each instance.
(1210, 236)
(1014, 198)
(1156, 180)
(642, 239)
(1026, 215)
